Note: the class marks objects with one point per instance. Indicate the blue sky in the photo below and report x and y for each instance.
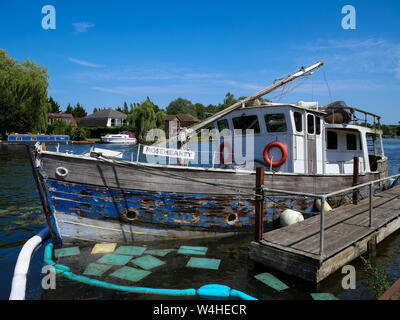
(103, 53)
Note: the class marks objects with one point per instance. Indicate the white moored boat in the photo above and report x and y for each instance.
(121, 138)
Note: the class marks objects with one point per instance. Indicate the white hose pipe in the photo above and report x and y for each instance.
(18, 285)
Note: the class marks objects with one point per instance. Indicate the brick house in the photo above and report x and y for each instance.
(51, 117)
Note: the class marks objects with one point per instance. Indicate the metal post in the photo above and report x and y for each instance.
(371, 194)
(138, 152)
(356, 179)
(259, 205)
(322, 228)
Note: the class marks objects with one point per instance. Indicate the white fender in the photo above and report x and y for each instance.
(289, 217)
(327, 207)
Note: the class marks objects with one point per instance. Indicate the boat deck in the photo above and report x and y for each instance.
(296, 249)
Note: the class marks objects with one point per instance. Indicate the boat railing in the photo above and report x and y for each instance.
(323, 197)
(361, 117)
(203, 158)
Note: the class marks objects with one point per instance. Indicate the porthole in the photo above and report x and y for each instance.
(61, 172)
(231, 218)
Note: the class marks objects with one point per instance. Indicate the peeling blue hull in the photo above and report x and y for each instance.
(94, 213)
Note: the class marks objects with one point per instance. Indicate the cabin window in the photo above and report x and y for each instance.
(318, 125)
(223, 124)
(310, 124)
(298, 121)
(351, 141)
(276, 122)
(18, 138)
(332, 141)
(246, 122)
(360, 141)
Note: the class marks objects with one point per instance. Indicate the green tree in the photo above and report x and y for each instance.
(54, 106)
(132, 106)
(143, 119)
(79, 112)
(59, 126)
(69, 110)
(181, 105)
(23, 95)
(126, 109)
(160, 119)
(200, 111)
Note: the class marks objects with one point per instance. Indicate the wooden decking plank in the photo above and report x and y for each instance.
(295, 232)
(295, 249)
(343, 226)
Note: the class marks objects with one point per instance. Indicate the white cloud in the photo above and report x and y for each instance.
(82, 26)
(359, 56)
(346, 44)
(85, 63)
(202, 86)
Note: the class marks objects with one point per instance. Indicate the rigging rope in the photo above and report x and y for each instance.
(329, 89)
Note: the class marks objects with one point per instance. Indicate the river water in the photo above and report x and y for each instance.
(21, 217)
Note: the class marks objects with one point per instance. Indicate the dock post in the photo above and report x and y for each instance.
(371, 194)
(356, 179)
(259, 204)
(322, 228)
(371, 247)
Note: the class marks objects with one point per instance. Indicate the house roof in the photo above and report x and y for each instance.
(62, 116)
(183, 117)
(170, 117)
(108, 113)
(100, 118)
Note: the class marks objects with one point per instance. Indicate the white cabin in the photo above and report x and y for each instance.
(313, 146)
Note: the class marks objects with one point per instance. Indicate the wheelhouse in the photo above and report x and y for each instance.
(296, 139)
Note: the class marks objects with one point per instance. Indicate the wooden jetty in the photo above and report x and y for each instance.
(314, 249)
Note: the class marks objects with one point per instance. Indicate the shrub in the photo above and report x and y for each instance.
(78, 134)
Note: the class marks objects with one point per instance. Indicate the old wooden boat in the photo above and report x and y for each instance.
(97, 197)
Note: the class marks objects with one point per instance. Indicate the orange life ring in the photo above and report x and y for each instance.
(222, 146)
(283, 150)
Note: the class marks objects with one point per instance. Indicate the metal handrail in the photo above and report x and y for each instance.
(327, 195)
(323, 198)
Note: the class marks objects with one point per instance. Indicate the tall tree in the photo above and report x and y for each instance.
(126, 109)
(54, 106)
(69, 110)
(23, 95)
(181, 105)
(200, 111)
(143, 119)
(79, 111)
